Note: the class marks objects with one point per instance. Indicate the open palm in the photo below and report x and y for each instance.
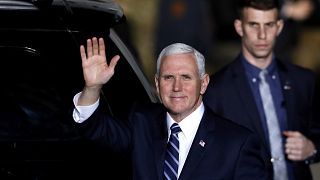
(96, 70)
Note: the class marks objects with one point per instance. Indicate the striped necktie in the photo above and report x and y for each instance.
(171, 162)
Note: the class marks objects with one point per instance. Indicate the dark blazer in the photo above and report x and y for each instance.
(230, 150)
(229, 95)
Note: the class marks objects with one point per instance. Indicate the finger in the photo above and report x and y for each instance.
(296, 139)
(291, 146)
(89, 48)
(294, 143)
(83, 53)
(295, 154)
(292, 140)
(95, 46)
(295, 151)
(294, 157)
(114, 61)
(287, 150)
(102, 51)
(292, 133)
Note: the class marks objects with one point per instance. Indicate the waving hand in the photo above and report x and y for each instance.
(96, 70)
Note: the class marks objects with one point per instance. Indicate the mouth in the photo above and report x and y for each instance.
(261, 46)
(177, 98)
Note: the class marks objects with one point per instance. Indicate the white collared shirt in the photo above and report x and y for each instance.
(189, 127)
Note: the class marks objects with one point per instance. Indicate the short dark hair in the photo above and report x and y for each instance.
(257, 4)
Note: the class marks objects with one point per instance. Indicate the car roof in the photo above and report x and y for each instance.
(72, 10)
(108, 6)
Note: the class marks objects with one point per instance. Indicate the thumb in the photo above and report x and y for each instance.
(291, 133)
(114, 61)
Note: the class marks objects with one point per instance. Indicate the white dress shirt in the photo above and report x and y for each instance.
(189, 127)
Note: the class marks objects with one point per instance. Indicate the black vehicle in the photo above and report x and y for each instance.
(41, 72)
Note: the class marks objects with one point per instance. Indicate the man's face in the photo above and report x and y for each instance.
(179, 85)
(258, 30)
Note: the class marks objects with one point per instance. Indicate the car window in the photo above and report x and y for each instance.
(40, 73)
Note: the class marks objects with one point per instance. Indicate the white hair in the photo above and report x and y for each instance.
(180, 48)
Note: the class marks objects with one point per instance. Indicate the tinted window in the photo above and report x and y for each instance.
(40, 72)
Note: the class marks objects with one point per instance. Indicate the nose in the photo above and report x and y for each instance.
(262, 33)
(177, 84)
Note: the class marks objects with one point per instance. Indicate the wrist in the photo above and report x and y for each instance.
(311, 158)
(88, 96)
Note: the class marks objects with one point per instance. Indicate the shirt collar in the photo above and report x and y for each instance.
(190, 124)
(253, 71)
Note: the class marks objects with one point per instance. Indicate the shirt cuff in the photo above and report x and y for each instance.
(82, 113)
(311, 159)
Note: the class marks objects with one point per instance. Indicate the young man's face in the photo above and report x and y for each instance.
(258, 30)
(179, 85)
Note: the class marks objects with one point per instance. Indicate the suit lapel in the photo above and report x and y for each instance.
(287, 88)
(247, 99)
(198, 147)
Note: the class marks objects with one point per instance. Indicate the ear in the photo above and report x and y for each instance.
(156, 81)
(238, 27)
(280, 26)
(204, 83)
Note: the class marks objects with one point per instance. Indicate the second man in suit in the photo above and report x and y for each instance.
(272, 98)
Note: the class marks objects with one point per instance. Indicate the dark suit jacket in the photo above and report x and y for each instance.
(230, 151)
(229, 95)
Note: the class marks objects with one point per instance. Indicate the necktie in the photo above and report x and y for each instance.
(275, 139)
(171, 162)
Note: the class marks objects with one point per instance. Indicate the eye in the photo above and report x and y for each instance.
(167, 77)
(253, 24)
(186, 77)
(271, 24)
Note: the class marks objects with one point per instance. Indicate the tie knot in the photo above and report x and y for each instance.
(262, 74)
(175, 128)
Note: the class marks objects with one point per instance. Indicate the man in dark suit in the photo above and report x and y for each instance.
(236, 93)
(209, 147)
